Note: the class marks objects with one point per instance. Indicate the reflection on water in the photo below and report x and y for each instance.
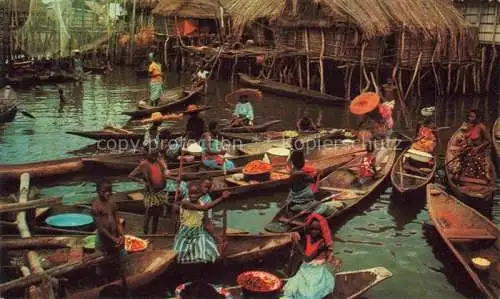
(387, 230)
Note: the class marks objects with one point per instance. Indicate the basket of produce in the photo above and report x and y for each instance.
(259, 282)
(257, 170)
(134, 244)
(278, 155)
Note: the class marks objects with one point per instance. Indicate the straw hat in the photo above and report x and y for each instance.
(194, 109)
(250, 93)
(364, 103)
(157, 117)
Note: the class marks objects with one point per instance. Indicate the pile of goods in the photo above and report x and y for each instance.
(257, 167)
(259, 282)
(145, 36)
(134, 244)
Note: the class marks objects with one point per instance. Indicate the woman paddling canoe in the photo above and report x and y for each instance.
(314, 279)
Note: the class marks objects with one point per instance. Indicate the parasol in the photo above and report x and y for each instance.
(364, 103)
(252, 94)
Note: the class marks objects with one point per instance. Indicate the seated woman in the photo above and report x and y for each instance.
(193, 243)
(213, 153)
(243, 113)
(306, 124)
(313, 280)
(426, 137)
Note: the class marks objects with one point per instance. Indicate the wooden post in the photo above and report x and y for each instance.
(233, 71)
(321, 65)
(132, 34)
(299, 70)
(31, 256)
(308, 67)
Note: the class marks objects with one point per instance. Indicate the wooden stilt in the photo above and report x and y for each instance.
(132, 33)
(321, 66)
(233, 71)
(308, 62)
(299, 70)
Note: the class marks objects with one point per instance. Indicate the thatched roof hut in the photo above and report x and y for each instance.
(434, 27)
(192, 9)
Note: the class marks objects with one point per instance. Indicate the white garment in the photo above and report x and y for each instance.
(202, 74)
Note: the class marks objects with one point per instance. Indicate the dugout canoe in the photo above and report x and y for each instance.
(105, 135)
(348, 284)
(468, 190)
(8, 114)
(468, 234)
(495, 137)
(171, 100)
(292, 91)
(325, 160)
(406, 180)
(39, 170)
(248, 129)
(336, 134)
(340, 187)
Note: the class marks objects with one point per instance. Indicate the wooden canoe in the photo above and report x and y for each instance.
(468, 234)
(187, 94)
(496, 140)
(8, 115)
(247, 129)
(407, 180)
(310, 140)
(292, 91)
(336, 134)
(340, 186)
(106, 135)
(38, 170)
(325, 160)
(468, 191)
(348, 285)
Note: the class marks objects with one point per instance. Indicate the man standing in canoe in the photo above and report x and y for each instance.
(155, 81)
(110, 238)
(195, 124)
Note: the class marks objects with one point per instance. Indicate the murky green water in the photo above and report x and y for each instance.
(384, 231)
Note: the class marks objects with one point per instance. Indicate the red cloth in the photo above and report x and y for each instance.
(365, 169)
(474, 132)
(156, 174)
(325, 229)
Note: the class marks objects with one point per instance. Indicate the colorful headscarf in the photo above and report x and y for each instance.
(325, 229)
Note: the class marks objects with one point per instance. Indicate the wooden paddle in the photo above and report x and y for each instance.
(26, 113)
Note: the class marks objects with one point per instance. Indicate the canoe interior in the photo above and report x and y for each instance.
(463, 230)
(405, 180)
(348, 285)
(467, 191)
(8, 115)
(257, 128)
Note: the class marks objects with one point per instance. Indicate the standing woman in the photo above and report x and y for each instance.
(314, 279)
(155, 81)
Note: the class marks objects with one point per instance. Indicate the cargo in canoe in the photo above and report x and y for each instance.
(496, 140)
(247, 129)
(468, 189)
(407, 178)
(292, 91)
(341, 189)
(325, 161)
(348, 285)
(468, 234)
(172, 100)
(7, 114)
(336, 134)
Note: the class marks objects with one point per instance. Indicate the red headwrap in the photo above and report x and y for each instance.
(325, 229)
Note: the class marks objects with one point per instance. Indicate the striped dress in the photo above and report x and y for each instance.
(193, 243)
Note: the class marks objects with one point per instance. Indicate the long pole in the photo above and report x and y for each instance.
(132, 34)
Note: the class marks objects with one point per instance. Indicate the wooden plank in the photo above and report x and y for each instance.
(412, 176)
(469, 233)
(359, 192)
(33, 204)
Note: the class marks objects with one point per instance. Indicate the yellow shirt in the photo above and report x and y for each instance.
(191, 218)
(155, 72)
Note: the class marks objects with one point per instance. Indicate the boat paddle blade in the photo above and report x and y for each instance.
(26, 113)
(278, 227)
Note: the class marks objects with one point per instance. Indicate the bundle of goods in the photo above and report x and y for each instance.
(145, 36)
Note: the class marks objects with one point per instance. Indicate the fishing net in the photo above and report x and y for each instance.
(55, 27)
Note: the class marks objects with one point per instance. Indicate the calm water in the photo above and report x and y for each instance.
(384, 231)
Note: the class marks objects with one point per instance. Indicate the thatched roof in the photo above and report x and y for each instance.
(198, 9)
(433, 18)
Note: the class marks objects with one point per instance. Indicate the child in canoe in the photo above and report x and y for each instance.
(314, 279)
(193, 242)
(213, 152)
(426, 137)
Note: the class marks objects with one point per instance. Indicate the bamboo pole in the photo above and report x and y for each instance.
(415, 72)
(132, 33)
(321, 64)
(299, 70)
(31, 256)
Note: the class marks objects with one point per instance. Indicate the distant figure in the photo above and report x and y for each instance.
(213, 152)
(426, 137)
(243, 112)
(306, 124)
(78, 65)
(62, 99)
(155, 82)
(389, 90)
(110, 237)
(109, 68)
(195, 124)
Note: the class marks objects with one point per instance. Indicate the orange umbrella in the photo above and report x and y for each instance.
(250, 93)
(364, 103)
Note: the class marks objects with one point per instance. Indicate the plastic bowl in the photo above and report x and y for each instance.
(248, 280)
(481, 263)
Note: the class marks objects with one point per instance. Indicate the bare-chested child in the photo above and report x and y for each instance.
(110, 237)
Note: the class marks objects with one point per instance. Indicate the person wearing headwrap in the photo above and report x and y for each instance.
(155, 81)
(314, 279)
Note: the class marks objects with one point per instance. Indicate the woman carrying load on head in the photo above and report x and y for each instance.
(155, 81)
(313, 279)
